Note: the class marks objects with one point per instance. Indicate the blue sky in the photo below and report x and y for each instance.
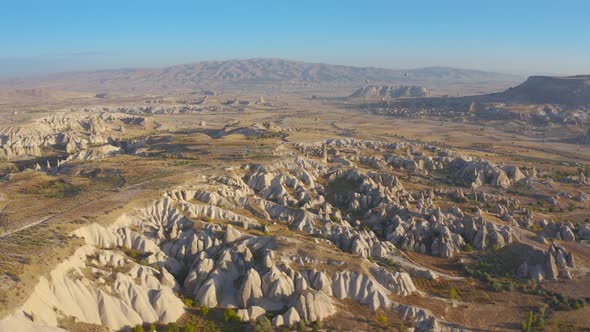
(517, 36)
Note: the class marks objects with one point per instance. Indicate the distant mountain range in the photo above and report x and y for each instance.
(252, 72)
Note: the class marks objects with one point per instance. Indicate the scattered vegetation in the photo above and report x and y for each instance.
(263, 325)
(301, 326)
(527, 324)
(497, 286)
(453, 294)
(229, 315)
(54, 189)
(403, 328)
(381, 318)
(265, 135)
(172, 327)
(189, 327)
(534, 321)
(493, 271)
(231, 320)
(137, 328)
(467, 247)
(138, 256)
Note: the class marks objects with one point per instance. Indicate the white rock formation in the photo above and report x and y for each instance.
(123, 293)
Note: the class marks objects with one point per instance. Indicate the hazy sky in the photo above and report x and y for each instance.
(518, 36)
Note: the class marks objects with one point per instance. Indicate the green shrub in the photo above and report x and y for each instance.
(301, 326)
(527, 324)
(230, 316)
(263, 325)
(467, 247)
(403, 328)
(453, 294)
(316, 326)
(187, 302)
(510, 286)
(189, 327)
(204, 310)
(381, 318)
(497, 286)
(578, 304)
(153, 328)
(137, 328)
(172, 327)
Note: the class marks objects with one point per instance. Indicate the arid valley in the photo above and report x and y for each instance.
(266, 194)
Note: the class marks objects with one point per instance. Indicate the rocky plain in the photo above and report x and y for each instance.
(227, 197)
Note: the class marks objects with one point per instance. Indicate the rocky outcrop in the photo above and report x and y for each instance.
(96, 152)
(121, 293)
(558, 230)
(252, 313)
(314, 306)
(389, 92)
(360, 288)
(74, 131)
(251, 289)
(551, 265)
(399, 283)
(223, 237)
(477, 173)
(584, 232)
(289, 318)
(446, 233)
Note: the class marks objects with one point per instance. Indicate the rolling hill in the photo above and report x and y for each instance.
(571, 90)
